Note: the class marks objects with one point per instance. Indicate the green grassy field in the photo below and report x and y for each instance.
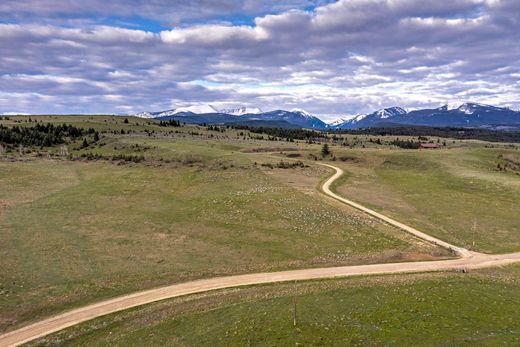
(456, 194)
(74, 231)
(159, 205)
(443, 309)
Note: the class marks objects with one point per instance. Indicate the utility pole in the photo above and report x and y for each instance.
(294, 317)
(294, 305)
(474, 231)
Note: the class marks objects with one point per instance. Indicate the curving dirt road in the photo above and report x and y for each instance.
(462, 252)
(468, 260)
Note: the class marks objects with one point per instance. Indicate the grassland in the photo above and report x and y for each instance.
(77, 230)
(147, 205)
(443, 309)
(456, 194)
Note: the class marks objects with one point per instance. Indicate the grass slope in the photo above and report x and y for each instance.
(199, 203)
(73, 232)
(444, 309)
(455, 194)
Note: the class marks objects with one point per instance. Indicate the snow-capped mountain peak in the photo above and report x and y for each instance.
(240, 111)
(472, 107)
(359, 117)
(197, 109)
(452, 105)
(367, 119)
(390, 112)
(302, 112)
(467, 107)
(338, 121)
(146, 115)
(468, 114)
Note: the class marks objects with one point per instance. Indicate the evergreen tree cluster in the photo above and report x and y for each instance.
(220, 129)
(43, 135)
(170, 123)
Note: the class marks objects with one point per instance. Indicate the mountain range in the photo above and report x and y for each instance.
(467, 115)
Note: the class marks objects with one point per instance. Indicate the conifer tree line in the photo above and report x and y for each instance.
(42, 135)
(170, 123)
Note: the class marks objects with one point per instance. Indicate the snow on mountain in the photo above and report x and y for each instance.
(15, 114)
(358, 118)
(472, 107)
(201, 109)
(339, 121)
(146, 114)
(302, 112)
(453, 114)
(453, 105)
(197, 109)
(468, 107)
(166, 113)
(240, 111)
(366, 120)
(390, 112)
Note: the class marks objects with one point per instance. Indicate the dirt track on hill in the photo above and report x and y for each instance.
(462, 252)
(468, 260)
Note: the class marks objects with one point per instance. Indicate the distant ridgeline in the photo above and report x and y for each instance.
(467, 115)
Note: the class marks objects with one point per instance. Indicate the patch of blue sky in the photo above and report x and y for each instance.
(312, 7)
(137, 23)
(238, 19)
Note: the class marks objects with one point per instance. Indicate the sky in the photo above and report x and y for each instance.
(331, 58)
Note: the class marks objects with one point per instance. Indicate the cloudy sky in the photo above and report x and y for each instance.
(329, 57)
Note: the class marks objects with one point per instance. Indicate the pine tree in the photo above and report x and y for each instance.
(325, 151)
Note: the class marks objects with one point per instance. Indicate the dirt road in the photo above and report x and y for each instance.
(462, 252)
(469, 260)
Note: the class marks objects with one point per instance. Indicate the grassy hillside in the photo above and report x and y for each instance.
(140, 205)
(76, 229)
(444, 309)
(456, 194)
